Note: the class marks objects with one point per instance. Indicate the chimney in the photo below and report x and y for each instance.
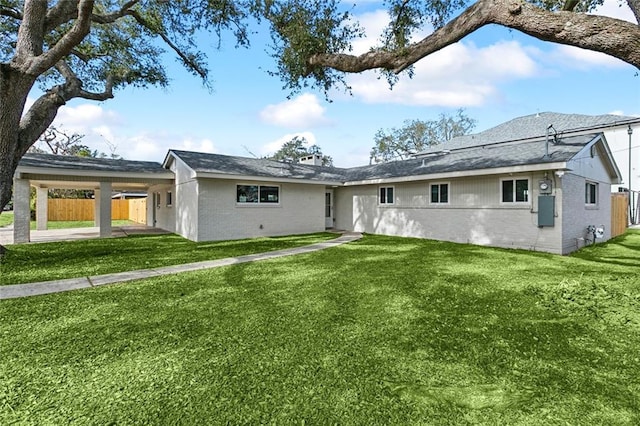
(313, 159)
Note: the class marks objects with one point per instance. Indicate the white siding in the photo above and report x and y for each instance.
(301, 210)
(577, 214)
(474, 214)
(185, 201)
(165, 215)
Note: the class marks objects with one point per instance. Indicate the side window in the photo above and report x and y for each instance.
(515, 191)
(439, 193)
(591, 193)
(169, 199)
(386, 195)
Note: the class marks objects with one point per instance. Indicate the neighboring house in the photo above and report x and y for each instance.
(545, 193)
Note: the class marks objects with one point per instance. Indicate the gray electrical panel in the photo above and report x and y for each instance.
(546, 210)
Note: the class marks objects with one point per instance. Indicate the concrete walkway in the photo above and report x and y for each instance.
(70, 234)
(47, 287)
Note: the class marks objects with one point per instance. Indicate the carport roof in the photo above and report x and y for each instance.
(60, 171)
(67, 162)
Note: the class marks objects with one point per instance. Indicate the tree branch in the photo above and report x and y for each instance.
(612, 36)
(31, 32)
(61, 12)
(185, 58)
(72, 88)
(112, 17)
(79, 30)
(634, 5)
(10, 12)
(43, 111)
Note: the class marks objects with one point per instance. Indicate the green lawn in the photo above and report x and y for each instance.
(25, 263)
(380, 331)
(68, 224)
(6, 219)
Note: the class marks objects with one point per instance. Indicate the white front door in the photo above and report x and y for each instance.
(328, 208)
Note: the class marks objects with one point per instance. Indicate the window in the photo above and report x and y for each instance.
(515, 191)
(169, 198)
(386, 195)
(439, 193)
(591, 193)
(259, 194)
(158, 200)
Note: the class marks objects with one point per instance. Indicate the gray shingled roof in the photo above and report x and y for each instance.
(65, 162)
(531, 126)
(475, 158)
(259, 167)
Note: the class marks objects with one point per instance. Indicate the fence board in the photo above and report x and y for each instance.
(138, 210)
(619, 213)
(70, 209)
(119, 209)
(74, 209)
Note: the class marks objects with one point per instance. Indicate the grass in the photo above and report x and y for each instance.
(6, 219)
(381, 331)
(24, 263)
(68, 224)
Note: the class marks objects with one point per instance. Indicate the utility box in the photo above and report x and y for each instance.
(546, 210)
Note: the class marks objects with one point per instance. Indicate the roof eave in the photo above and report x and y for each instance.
(227, 176)
(561, 165)
(91, 173)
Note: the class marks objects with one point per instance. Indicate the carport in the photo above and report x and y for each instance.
(45, 171)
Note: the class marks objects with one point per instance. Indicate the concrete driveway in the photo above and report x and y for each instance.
(6, 233)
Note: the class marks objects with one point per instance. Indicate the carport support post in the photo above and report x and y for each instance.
(103, 212)
(21, 211)
(42, 205)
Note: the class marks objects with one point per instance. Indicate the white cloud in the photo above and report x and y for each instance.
(272, 147)
(576, 58)
(302, 111)
(84, 117)
(201, 145)
(144, 147)
(460, 75)
(373, 24)
(616, 9)
(154, 146)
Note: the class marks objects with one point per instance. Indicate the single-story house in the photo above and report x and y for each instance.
(547, 193)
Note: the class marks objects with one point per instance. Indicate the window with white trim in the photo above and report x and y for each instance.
(591, 193)
(169, 199)
(439, 193)
(386, 195)
(158, 202)
(515, 191)
(257, 194)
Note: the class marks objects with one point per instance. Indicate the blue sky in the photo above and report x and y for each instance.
(494, 74)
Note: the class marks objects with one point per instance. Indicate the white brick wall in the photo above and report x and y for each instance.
(301, 210)
(474, 214)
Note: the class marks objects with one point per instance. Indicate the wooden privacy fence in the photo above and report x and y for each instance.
(619, 213)
(73, 209)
